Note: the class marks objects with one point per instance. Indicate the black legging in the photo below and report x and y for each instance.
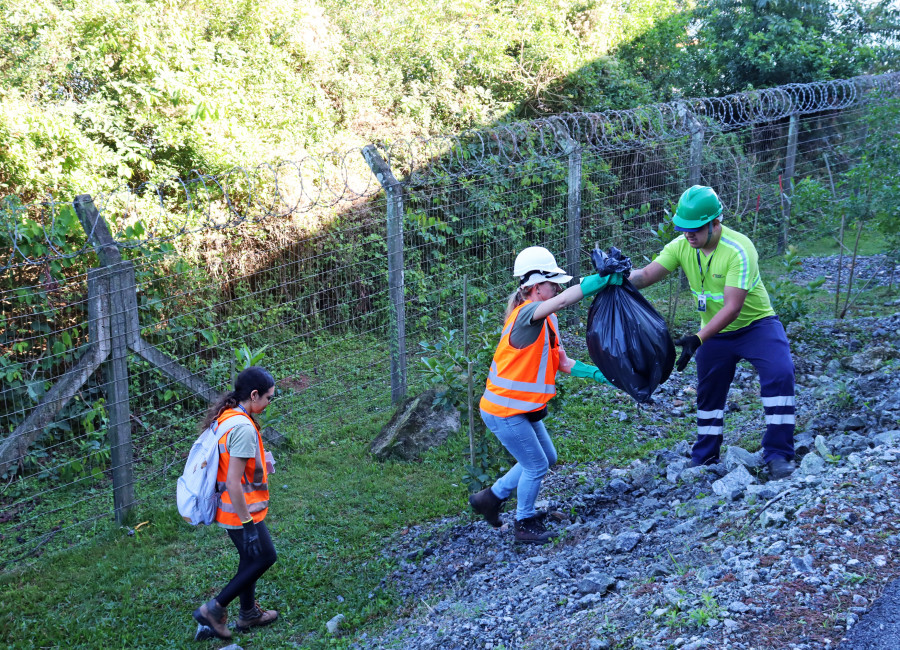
(250, 569)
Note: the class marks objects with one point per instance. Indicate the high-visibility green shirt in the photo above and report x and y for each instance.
(734, 263)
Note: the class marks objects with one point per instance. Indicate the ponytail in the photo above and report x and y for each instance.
(225, 402)
(251, 379)
(516, 298)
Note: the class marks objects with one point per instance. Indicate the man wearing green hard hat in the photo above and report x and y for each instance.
(736, 322)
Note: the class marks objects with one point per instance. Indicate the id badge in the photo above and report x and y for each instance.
(701, 303)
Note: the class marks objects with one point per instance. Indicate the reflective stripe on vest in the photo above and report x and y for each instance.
(254, 482)
(521, 381)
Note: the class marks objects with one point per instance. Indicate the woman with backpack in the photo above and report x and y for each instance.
(522, 380)
(242, 484)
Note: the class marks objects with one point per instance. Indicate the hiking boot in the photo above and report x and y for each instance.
(257, 617)
(215, 617)
(781, 467)
(488, 505)
(532, 531)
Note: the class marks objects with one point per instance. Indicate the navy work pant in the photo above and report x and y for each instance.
(764, 344)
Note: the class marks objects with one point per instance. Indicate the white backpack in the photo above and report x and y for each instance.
(196, 492)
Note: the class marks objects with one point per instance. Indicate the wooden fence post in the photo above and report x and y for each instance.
(119, 275)
(394, 194)
(14, 447)
(118, 406)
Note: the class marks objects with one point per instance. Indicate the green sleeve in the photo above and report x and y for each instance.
(669, 257)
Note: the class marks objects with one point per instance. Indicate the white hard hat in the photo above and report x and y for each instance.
(536, 264)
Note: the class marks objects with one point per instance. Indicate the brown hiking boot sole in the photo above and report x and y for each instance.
(207, 621)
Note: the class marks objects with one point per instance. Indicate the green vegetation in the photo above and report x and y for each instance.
(104, 94)
(682, 616)
(725, 46)
(333, 511)
(99, 93)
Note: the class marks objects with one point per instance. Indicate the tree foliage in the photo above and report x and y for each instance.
(104, 93)
(725, 46)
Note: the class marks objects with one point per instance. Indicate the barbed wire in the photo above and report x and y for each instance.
(175, 206)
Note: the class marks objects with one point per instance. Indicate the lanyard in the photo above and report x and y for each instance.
(700, 267)
(248, 415)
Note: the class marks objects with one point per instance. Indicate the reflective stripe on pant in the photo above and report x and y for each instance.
(530, 444)
(764, 344)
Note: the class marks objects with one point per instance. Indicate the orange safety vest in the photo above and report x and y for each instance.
(523, 380)
(254, 482)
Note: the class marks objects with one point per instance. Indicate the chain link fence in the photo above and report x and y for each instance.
(125, 312)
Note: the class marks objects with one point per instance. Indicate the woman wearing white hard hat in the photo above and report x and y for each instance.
(522, 380)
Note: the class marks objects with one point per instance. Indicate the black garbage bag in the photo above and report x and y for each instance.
(627, 339)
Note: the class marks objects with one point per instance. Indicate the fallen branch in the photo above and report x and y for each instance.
(49, 536)
(765, 507)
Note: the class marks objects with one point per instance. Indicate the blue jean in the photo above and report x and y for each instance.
(530, 444)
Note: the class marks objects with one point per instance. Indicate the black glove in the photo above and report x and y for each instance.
(689, 345)
(251, 539)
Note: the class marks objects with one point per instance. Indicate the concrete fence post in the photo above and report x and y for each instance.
(573, 216)
(394, 194)
(787, 185)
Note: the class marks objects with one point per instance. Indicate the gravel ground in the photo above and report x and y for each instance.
(658, 555)
(868, 272)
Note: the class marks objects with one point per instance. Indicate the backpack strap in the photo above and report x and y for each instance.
(229, 423)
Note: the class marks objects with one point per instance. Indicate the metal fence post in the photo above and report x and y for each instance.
(394, 193)
(787, 191)
(120, 277)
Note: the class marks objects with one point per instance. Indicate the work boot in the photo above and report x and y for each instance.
(256, 617)
(781, 467)
(488, 505)
(215, 617)
(532, 531)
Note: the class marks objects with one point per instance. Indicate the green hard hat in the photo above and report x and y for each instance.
(697, 207)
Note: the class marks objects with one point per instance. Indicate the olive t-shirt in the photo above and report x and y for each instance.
(242, 441)
(734, 263)
(524, 332)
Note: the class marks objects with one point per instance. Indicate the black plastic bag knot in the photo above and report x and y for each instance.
(612, 262)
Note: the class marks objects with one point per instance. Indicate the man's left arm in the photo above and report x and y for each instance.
(736, 287)
(734, 301)
(731, 309)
